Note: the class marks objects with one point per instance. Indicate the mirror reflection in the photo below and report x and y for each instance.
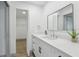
(61, 20)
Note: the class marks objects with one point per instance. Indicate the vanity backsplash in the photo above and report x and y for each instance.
(59, 34)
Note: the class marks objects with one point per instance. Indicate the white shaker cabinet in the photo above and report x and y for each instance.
(43, 49)
(35, 46)
(46, 49)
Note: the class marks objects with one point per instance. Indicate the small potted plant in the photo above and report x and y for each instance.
(73, 35)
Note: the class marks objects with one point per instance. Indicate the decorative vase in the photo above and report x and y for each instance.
(74, 40)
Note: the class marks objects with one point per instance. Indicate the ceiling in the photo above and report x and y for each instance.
(19, 13)
(39, 3)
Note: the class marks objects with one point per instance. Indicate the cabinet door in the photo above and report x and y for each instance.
(35, 49)
(59, 53)
(39, 47)
(36, 46)
(46, 50)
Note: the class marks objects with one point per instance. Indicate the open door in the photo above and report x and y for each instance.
(21, 32)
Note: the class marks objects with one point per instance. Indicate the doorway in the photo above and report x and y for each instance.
(21, 32)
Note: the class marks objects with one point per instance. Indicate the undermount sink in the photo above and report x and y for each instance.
(48, 37)
(45, 36)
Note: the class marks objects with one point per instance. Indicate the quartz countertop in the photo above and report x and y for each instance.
(64, 45)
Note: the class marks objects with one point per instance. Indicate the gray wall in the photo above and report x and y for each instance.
(4, 34)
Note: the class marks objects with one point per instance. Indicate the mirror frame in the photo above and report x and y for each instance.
(57, 21)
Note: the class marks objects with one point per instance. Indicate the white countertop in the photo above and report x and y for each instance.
(64, 45)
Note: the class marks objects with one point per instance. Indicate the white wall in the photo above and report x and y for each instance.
(54, 6)
(21, 28)
(34, 19)
(12, 29)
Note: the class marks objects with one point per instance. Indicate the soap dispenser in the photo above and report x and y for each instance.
(46, 32)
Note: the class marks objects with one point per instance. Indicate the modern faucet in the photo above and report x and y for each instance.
(53, 35)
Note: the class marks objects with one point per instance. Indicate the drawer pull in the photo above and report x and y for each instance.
(40, 50)
(59, 56)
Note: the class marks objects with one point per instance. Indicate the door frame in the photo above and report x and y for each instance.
(27, 24)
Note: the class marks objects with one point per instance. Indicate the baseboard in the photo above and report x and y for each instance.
(12, 55)
(8, 55)
(21, 39)
(3, 56)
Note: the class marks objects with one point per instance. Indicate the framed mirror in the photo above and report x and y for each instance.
(61, 20)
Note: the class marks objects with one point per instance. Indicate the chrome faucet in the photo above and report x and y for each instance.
(54, 36)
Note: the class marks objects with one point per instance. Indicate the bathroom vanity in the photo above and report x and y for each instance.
(60, 20)
(57, 47)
